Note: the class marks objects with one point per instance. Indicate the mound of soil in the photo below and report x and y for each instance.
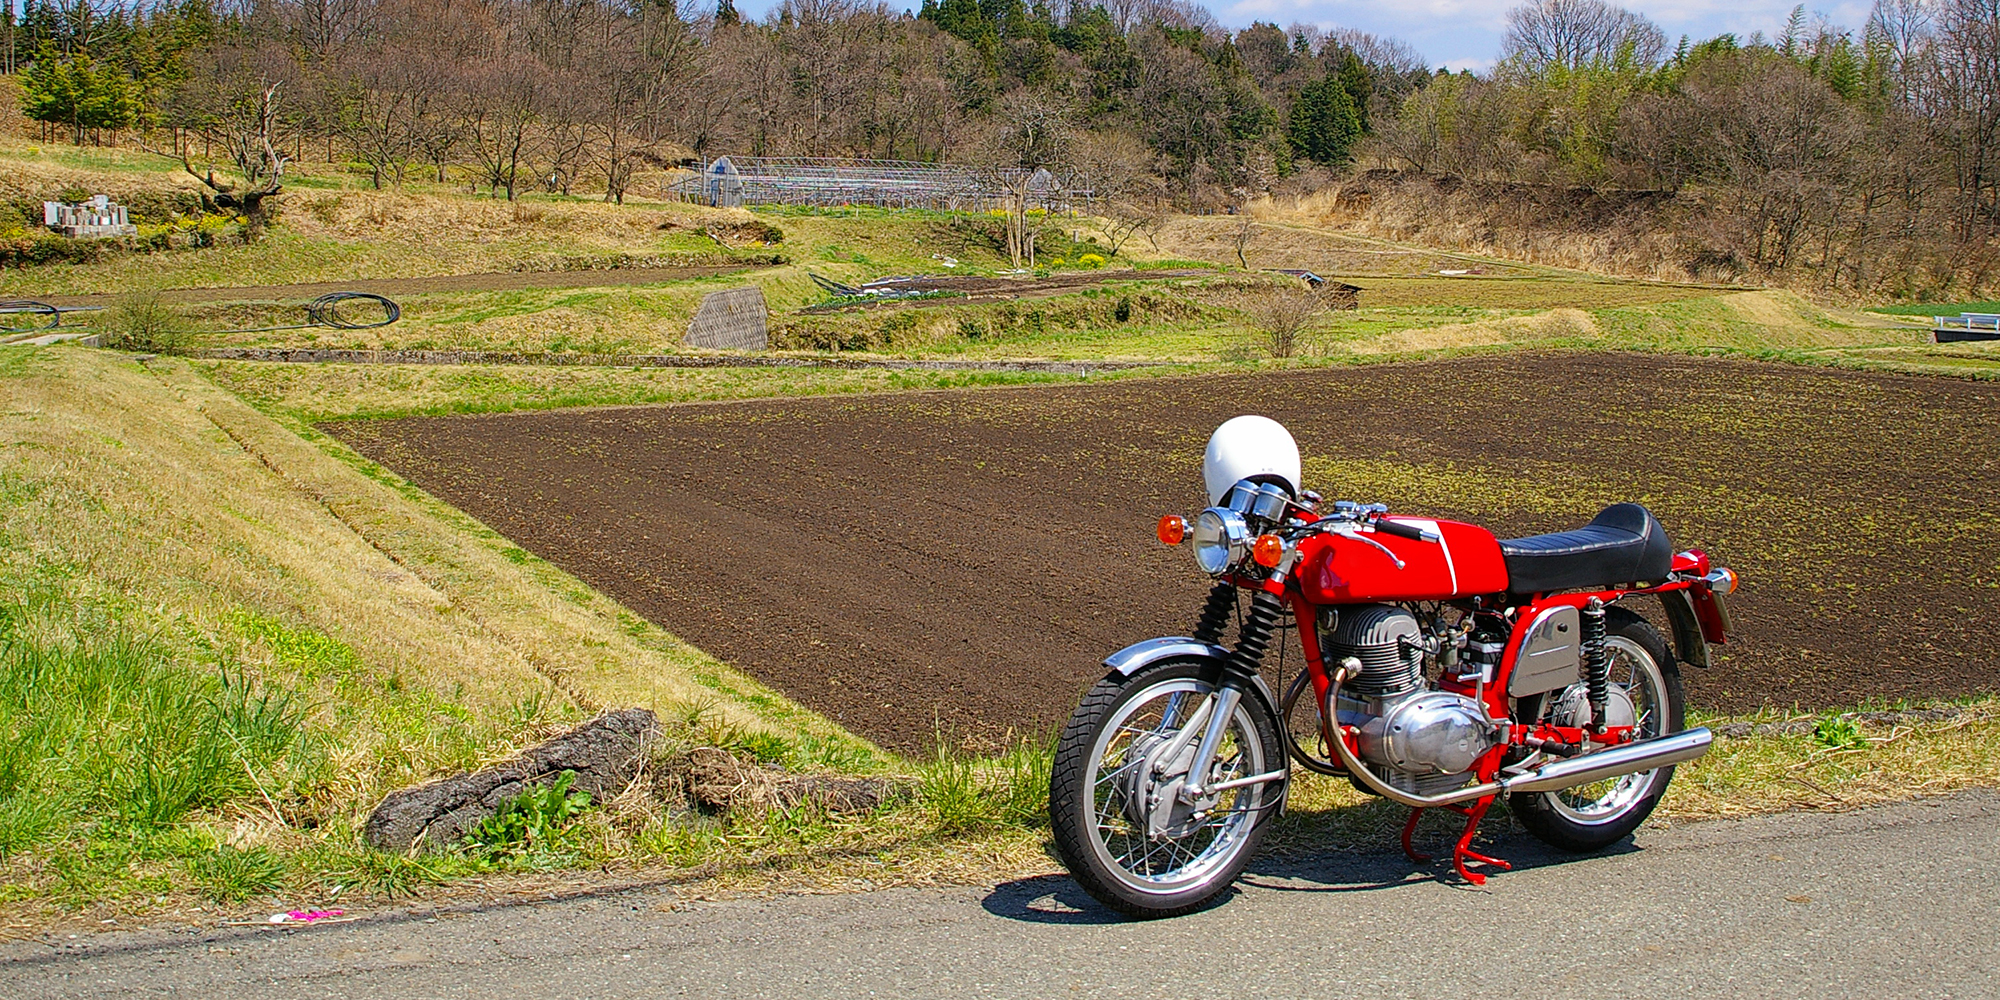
(958, 563)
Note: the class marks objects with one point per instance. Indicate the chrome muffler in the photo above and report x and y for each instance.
(1645, 755)
(1554, 776)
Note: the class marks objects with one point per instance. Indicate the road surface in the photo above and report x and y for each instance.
(1901, 901)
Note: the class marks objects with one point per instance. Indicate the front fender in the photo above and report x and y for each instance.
(1140, 655)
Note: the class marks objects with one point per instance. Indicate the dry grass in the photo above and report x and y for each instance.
(149, 488)
(1556, 324)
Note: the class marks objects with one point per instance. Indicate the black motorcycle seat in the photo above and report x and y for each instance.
(1622, 544)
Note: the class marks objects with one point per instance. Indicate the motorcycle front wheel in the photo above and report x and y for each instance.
(1121, 827)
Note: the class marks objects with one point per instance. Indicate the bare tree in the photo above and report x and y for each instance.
(1572, 34)
(1031, 148)
(245, 126)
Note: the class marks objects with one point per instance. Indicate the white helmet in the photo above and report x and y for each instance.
(1250, 447)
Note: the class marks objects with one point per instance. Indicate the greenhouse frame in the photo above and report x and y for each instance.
(736, 181)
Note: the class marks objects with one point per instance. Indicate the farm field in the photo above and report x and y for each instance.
(955, 563)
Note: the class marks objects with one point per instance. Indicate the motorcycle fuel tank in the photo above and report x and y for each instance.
(1465, 562)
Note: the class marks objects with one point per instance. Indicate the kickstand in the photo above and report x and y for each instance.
(1462, 852)
(1410, 830)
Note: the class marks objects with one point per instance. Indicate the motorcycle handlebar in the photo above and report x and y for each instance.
(1401, 530)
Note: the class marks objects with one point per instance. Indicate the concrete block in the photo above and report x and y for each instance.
(731, 320)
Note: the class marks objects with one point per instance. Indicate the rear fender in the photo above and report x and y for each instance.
(1689, 644)
(1140, 655)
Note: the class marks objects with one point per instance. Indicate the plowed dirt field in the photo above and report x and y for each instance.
(957, 563)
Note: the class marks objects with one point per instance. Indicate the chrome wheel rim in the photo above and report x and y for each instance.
(1635, 674)
(1169, 864)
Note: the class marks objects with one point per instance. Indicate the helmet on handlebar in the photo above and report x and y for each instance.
(1250, 447)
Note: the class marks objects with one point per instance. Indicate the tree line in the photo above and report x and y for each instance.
(1865, 160)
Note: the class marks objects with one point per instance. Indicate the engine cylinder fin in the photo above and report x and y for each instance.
(1388, 643)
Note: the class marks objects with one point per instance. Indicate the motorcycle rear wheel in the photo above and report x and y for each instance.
(1103, 783)
(1595, 816)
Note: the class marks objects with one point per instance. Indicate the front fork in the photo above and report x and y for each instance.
(1235, 675)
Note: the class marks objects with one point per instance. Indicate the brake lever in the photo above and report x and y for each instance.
(1354, 531)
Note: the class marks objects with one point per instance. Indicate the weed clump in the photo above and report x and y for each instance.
(145, 321)
(104, 730)
(540, 821)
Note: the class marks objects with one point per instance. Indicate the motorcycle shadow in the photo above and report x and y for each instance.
(1055, 899)
(1376, 870)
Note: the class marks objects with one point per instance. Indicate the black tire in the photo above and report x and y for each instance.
(1090, 824)
(1569, 820)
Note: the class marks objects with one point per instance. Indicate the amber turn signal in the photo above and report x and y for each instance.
(1268, 550)
(1723, 579)
(1172, 529)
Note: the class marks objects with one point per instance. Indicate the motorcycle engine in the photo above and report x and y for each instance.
(1428, 740)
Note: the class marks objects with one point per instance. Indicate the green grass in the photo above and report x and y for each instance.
(106, 730)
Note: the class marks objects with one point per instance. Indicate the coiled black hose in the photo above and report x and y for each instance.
(325, 311)
(48, 317)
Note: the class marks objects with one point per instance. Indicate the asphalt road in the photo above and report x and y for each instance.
(1901, 901)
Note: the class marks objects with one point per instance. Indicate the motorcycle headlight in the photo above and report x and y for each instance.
(1221, 539)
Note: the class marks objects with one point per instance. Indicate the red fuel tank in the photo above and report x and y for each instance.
(1338, 570)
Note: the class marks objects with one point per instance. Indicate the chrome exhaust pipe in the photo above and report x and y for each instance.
(1663, 751)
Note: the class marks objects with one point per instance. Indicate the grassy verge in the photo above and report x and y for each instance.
(220, 635)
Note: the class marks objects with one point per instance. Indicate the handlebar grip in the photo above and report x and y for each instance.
(1400, 530)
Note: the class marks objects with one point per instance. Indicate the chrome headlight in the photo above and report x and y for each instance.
(1221, 539)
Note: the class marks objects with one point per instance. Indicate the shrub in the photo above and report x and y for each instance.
(144, 321)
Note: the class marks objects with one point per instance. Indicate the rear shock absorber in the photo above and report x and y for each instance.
(1254, 638)
(1215, 614)
(1596, 663)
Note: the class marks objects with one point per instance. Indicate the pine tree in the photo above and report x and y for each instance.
(1324, 124)
(725, 14)
(77, 93)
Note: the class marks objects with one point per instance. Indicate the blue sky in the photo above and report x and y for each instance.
(1465, 34)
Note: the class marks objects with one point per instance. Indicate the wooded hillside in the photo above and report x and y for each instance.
(1857, 161)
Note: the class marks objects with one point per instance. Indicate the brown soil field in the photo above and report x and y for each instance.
(956, 564)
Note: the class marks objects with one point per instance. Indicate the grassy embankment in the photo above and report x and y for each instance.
(223, 641)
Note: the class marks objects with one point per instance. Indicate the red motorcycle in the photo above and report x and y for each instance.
(1447, 668)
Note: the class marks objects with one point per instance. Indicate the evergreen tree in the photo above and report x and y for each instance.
(77, 93)
(1324, 123)
(725, 14)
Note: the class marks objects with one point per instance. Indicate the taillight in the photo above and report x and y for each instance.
(1172, 529)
